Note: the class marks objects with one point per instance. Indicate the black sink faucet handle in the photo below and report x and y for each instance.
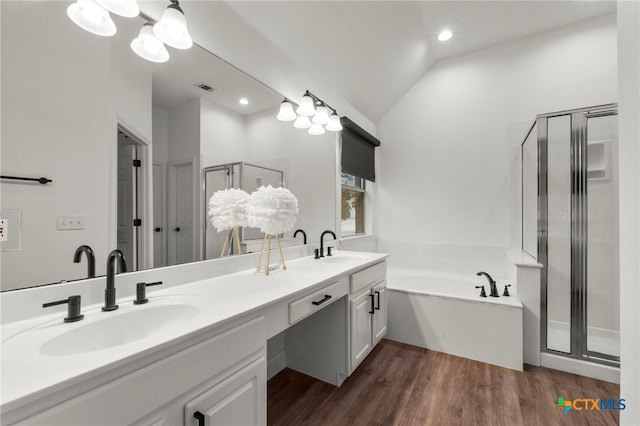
(482, 292)
(141, 292)
(329, 251)
(506, 290)
(73, 309)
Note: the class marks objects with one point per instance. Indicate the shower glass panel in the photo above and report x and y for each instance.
(559, 233)
(603, 298)
(530, 193)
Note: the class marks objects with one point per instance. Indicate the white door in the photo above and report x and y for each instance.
(361, 308)
(181, 241)
(380, 309)
(127, 201)
(159, 213)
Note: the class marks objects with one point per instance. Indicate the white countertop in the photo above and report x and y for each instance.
(28, 374)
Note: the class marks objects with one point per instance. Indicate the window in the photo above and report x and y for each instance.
(352, 211)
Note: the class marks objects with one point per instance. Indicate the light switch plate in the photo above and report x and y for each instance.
(66, 223)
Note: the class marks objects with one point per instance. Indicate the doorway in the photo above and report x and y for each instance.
(128, 198)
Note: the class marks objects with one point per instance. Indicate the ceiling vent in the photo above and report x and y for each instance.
(204, 86)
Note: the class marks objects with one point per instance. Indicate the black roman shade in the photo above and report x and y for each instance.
(358, 150)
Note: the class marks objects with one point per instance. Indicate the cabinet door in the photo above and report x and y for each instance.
(361, 311)
(238, 400)
(380, 308)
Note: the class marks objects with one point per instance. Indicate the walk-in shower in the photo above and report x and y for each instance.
(570, 225)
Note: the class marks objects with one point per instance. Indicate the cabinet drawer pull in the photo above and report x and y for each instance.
(320, 302)
(378, 301)
(372, 305)
(199, 417)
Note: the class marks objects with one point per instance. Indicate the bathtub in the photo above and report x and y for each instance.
(445, 313)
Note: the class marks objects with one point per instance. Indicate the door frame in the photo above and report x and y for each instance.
(145, 193)
(171, 203)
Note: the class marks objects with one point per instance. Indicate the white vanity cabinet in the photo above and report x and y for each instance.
(223, 377)
(368, 311)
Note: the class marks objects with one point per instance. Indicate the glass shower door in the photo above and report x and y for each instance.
(603, 298)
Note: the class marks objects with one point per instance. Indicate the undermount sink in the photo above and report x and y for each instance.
(341, 259)
(120, 327)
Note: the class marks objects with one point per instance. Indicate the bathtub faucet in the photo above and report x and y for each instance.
(492, 284)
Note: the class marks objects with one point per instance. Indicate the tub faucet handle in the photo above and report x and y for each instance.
(482, 292)
(506, 290)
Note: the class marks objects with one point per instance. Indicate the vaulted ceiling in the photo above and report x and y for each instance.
(372, 52)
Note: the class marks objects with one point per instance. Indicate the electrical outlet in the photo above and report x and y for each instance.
(4, 227)
(66, 223)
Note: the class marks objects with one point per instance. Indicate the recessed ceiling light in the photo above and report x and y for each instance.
(445, 35)
(244, 101)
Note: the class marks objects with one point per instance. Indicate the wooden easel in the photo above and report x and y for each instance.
(267, 267)
(227, 239)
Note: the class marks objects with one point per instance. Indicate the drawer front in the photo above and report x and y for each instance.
(317, 300)
(363, 279)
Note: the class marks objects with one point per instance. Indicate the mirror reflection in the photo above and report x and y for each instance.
(129, 146)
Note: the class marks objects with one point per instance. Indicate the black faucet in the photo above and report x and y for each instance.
(492, 284)
(91, 259)
(322, 241)
(304, 235)
(110, 291)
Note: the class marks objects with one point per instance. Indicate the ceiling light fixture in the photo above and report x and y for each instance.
(445, 35)
(171, 29)
(91, 17)
(148, 47)
(286, 112)
(126, 8)
(244, 101)
(310, 105)
(306, 105)
(302, 122)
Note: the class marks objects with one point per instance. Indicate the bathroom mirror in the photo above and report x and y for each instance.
(76, 105)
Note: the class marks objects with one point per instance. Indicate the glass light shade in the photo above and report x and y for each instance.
(171, 29)
(147, 46)
(445, 35)
(286, 112)
(91, 17)
(126, 8)
(306, 105)
(322, 115)
(302, 122)
(316, 129)
(334, 124)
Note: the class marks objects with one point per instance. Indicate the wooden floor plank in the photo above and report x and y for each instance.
(400, 384)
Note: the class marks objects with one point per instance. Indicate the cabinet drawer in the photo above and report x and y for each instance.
(363, 279)
(317, 300)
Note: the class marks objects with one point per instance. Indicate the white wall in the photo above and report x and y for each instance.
(222, 134)
(309, 163)
(629, 157)
(444, 167)
(68, 143)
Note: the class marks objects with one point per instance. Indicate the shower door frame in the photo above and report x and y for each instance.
(578, 158)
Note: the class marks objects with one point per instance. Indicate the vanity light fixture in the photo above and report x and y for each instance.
(321, 120)
(286, 112)
(322, 115)
(445, 35)
(302, 122)
(148, 47)
(316, 129)
(92, 17)
(171, 29)
(306, 105)
(126, 8)
(334, 124)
